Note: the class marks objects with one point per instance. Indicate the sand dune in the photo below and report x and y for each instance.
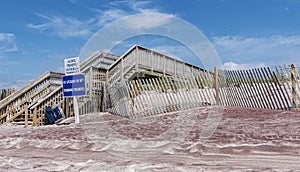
(244, 140)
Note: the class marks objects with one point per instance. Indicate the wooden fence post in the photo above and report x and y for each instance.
(132, 99)
(294, 86)
(34, 117)
(217, 86)
(102, 96)
(26, 115)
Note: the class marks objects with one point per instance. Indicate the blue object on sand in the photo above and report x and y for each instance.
(50, 115)
(57, 113)
(53, 115)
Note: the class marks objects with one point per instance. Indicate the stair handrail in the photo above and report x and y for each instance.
(29, 86)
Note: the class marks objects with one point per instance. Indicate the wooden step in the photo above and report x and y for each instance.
(22, 123)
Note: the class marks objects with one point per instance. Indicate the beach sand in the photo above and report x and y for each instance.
(245, 140)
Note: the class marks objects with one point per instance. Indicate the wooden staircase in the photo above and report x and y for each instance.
(16, 108)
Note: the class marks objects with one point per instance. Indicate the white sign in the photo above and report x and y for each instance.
(72, 66)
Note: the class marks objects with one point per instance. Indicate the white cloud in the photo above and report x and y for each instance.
(7, 42)
(236, 66)
(110, 15)
(120, 9)
(65, 26)
(135, 5)
(148, 21)
(276, 49)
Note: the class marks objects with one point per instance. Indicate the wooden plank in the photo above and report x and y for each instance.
(277, 89)
(200, 85)
(171, 93)
(247, 89)
(159, 89)
(227, 91)
(156, 98)
(283, 82)
(241, 90)
(195, 88)
(172, 98)
(209, 94)
(222, 85)
(204, 83)
(282, 91)
(217, 86)
(34, 117)
(260, 104)
(190, 93)
(236, 97)
(271, 86)
(15, 116)
(145, 89)
(132, 98)
(265, 87)
(185, 93)
(210, 79)
(268, 89)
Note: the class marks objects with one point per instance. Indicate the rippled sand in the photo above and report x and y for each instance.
(245, 140)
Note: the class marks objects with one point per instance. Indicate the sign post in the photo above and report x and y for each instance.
(73, 83)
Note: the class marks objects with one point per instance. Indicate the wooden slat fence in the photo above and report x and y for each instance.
(263, 88)
(146, 97)
(278, 88)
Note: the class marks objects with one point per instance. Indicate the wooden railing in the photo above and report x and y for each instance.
(17, 105)
(142, 59)
(55, 98)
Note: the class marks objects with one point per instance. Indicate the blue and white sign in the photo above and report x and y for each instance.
(72, 66)
(74, 85)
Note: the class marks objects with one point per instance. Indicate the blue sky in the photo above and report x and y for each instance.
(36, 35)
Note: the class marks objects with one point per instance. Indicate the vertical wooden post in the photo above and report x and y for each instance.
(26, 115)
(132, 100)
(106, 76)
(175, 70)
(151, 61)
(217, 86)
(34, 117)
(294, 86)
(91, 85)
(137, 59)
(164, 65)
(65, 106)
(122, 71)
(102, 97)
